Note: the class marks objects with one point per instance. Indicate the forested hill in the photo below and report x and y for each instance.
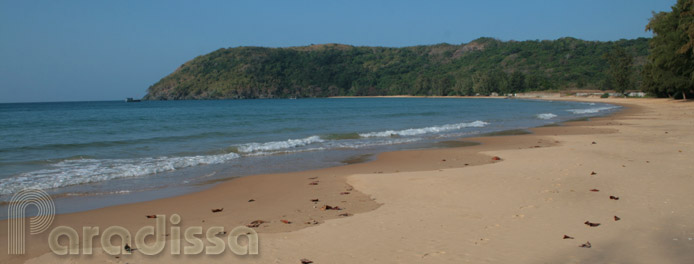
(482, 66)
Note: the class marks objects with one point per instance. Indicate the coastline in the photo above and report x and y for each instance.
(420, 96)
(287, 196)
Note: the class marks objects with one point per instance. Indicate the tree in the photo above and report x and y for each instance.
(620, 68)
(606, 85)
(499, 81)
(533, 82)
(517, 83)
(479, 84)
(463, 86)
(687, 23)
(670, 65)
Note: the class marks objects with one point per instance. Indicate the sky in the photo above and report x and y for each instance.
(110, 50)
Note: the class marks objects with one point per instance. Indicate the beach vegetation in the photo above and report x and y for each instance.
(620, 69)
(669, 71)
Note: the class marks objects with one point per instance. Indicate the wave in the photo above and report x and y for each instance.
(340, 136)
(114, 143)
(335, 144)
(77, 170)
(546, 116)
(285, 151)
(83, 171)
(424, 130)
(45, 162)
(278, 145)
(363, 144)
(591, 110)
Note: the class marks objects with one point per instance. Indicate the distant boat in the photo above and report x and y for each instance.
(131, 100)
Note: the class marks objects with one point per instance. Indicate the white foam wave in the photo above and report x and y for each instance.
(339, 144)
(546, 116)
(424, 130)
(278, 145)
(97, 193)
(284, 151)
(591, 110)
(372, 143)
(74, 172)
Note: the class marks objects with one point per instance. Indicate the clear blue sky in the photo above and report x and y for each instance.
(109, 50)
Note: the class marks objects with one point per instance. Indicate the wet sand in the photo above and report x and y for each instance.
(453, 205)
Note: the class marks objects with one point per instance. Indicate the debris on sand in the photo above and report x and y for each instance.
(128, 248)
(217, 210)
(328, 207)
(255, 223)
(591, 224)
(586, 245)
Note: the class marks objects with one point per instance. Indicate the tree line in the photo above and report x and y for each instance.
(482, 66)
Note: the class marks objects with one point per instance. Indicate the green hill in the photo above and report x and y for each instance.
(482, 66)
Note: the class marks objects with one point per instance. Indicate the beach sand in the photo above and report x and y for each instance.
(455, 205)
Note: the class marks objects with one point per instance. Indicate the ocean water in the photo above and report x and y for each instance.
(117, 148)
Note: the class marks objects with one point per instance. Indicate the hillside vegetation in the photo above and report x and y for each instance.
(482, 66)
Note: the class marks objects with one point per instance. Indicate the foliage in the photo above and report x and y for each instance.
(670, 67)
(482, 66)
(620, 69)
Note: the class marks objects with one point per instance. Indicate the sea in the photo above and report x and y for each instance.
(89, 155)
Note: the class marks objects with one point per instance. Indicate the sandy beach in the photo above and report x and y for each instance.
(454, 205)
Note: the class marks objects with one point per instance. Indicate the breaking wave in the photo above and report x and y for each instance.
(546, 116)
(278, 145)
(424, 130)
(83, 171)
(591, 110)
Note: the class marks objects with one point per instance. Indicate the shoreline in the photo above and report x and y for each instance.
(288, 195)
(72, 202)
(384, 162)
